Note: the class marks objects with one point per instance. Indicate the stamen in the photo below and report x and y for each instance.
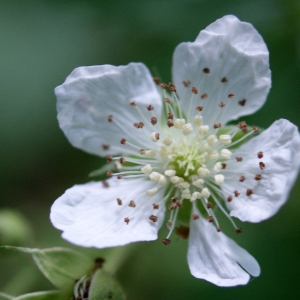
(132, 204)
(119, 201)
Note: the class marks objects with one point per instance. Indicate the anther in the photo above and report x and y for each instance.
(199, 108)
(105, 146)
(236, 193)
(262, 165)
(140, 125)
(122, 160)
(217, 125)
(132, 103)
(154, 136)
(179, 203)
(195, 216)
(229, 198)
(224, 79)
(110, 118)
(225, 139)
(221, 104)
(206, 70)
(142, 151)
(109, 173)
(105, 183)
(170, 123)
(249, 192)
(238, 158)
(205, 193)
(203, 96)
(187, 129)
(209, 205)
(174, 199)
(203, 130)
(123, 141)
(242, 102)
(172, 88)
(151, 192)
(194, 90)
(210, 219)
(119, 176)
(223, 165)
(255, 129)
(257, 177)
(172, 206)
(218, 229)
(260, 154)
(170, 116)
(155, 176)
(119, 201)
(164, 86)
(219, 179)
(186, 83)
(225, 153)
(166, 241)
(242, 125)
(167, 100)
(238, 230)
(132, 204)
(153, 218)
(155, 206)
(109, 158)
(153, 120)
(168, 141)
(230, 95)
(183, 232)
(157, 80)
(242, 178)
(126, 220)
(150, 107)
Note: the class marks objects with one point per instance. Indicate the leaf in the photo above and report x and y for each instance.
(48, 295)
(105, 287)
(61, 266)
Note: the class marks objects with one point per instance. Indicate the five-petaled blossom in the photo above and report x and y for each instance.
(170, 150)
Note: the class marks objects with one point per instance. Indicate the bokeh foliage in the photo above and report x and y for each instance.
(41, 42)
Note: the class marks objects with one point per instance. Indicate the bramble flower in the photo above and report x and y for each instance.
(170, 150)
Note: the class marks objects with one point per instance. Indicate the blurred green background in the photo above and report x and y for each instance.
(41, 42)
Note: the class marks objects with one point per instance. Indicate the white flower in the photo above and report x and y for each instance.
(179, 150)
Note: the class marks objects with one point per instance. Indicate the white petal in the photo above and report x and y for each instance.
(216, 258)
(280, 145)
(90, 94)
(90, 216)
(230, 49)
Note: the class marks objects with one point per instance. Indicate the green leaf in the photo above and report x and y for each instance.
(61, 266)
(49, 295)
(105, 287)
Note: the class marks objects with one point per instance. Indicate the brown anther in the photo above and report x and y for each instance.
(260, 154)
(105, 146)
(183, 232)
(164, 86)
(157, 80)
(194, 90)
(209, 205)
(221, 104)
(140, 125)
(155, 206)
(172, 87)
(153, 218)
(255, 129)
(132, 204)
(203, 96)
(109, 173)
(110, 118)
(230, 95)
(105, 183)
(257, 177)
(217, 125)
(186, 83)
(109, 158)
(262, 165)
(122, 160)
(150, 107)
(157, 135)
(167, 100)
(199, 108)
(172, 206)
(119, 176)
(179, 203)
(249, 192)
(142, 151)
(136, 125)
(223, 165)
(174, 199)
(236, 193)
(238, 230)
(119, 201)
(239, 158)
(123, 141)
(242, 178)
(126, 220)
(218, 229)
(242, 102)
(166, 241)
(224, 79)
(170, 116)
(153, 120)
(170, 123)
(242, 125)
(229, 198)
(206, 70)
(195, 216)
(132, 103)
(210, 219)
